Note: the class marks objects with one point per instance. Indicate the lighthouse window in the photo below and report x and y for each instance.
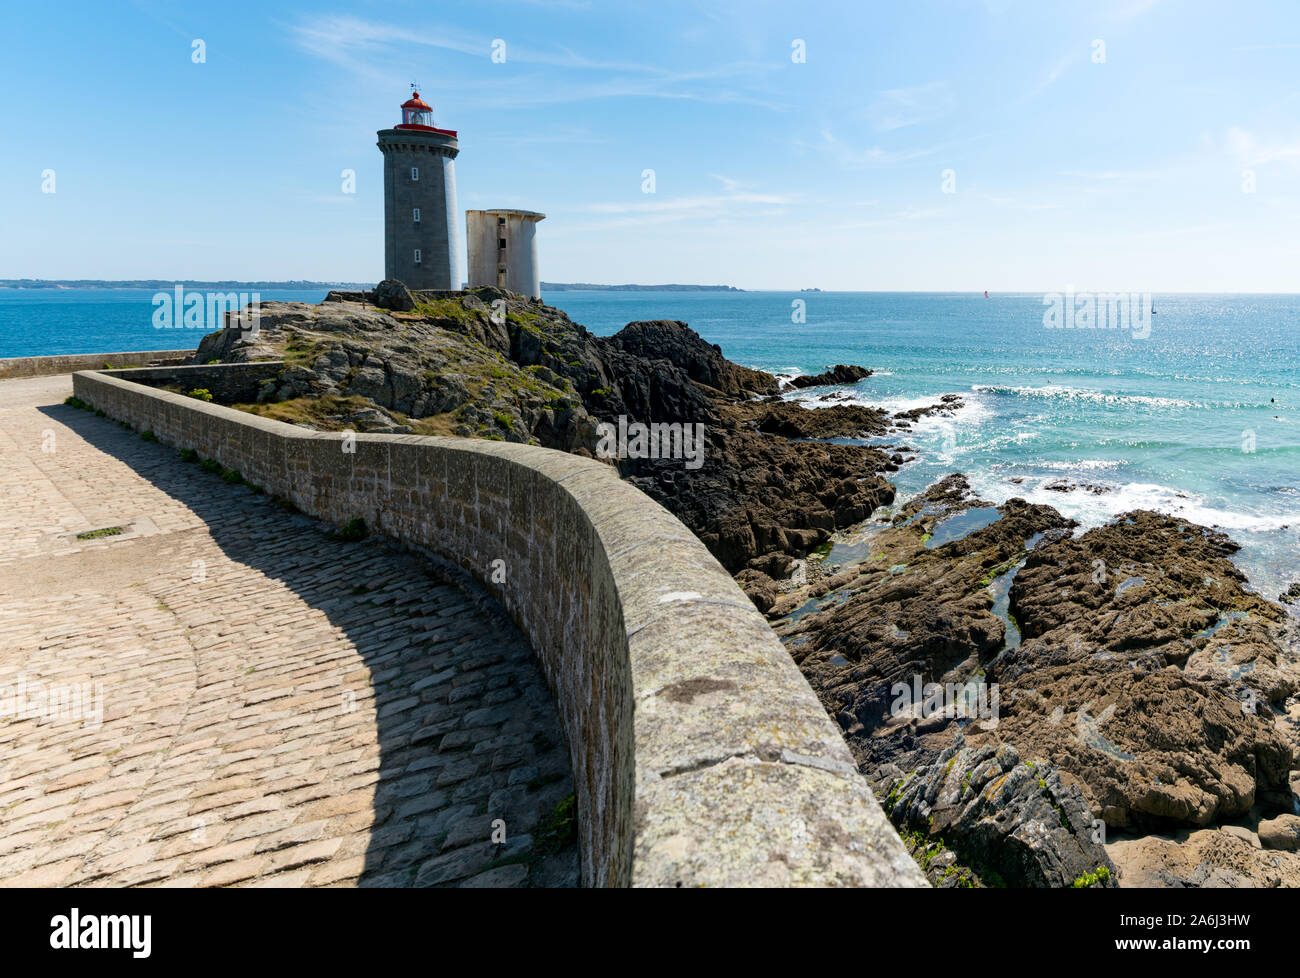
(415, 173)
(501, 221)
(501, 244)
(416, 216)
(417, 256)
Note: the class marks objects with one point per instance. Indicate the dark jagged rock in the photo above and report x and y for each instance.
(756, 494)
(1065, 485)
(392, 294)
(760, 588)
(703, 362)
(949, 404)
(841, 373)
(792, 420)
(914, 609)
(1003, 819)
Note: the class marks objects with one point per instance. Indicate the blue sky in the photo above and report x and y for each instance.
(1127, 173)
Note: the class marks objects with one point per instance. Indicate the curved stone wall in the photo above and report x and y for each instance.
(700, 754)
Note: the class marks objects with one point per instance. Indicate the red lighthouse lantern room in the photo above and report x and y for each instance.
(416, 113)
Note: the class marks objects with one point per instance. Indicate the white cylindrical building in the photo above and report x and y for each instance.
(503, 250)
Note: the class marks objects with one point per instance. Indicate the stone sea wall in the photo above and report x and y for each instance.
(66, 363)
(228, 383)
(700, 755)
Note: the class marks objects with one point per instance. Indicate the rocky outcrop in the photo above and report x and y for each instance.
(1150, 673)
(1150, 747)
(673, 341)
(493, 364)
(1159, 586)
(947, 406)
(841, 373)
(1203, 859)
(1131, 658)
(917, 608)
(757, 494)
(436, 370)
(1001, 820)
(793, 420)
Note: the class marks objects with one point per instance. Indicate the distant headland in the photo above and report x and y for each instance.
(158, 283)
(589, 287)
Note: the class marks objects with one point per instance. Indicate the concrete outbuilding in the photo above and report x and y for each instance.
(503, 250)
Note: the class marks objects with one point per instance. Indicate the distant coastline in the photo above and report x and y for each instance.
(589, 287)
(158, 283)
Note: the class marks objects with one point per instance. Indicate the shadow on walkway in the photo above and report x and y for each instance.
(465, 729)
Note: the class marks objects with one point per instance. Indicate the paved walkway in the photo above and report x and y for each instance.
(278, 708)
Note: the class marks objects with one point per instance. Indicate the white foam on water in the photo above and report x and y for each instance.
(1085, 465)
(1059, 393)
(972, 412)
(783, 375)
(1092, 509)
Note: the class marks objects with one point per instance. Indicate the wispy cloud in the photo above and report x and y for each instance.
(897, 108)
(707, 203)
(1020, 203)
(1054, 74)
(1133, 9)
(847, 155)
(365, 48)
(708, 209)
(1267, 47)
(1111, 176)
(1249, 150)
(566, 136)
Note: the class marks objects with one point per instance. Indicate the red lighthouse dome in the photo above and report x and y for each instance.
(418, 114)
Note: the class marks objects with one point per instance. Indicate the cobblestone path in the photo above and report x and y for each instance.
(224, 694)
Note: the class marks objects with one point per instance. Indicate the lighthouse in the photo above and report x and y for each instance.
(420, 213)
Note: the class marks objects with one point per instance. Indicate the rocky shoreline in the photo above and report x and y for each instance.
(1035, 705)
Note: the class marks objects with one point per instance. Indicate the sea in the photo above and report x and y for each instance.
(1194, 411)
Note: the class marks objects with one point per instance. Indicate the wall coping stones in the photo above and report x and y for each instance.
(700, 755)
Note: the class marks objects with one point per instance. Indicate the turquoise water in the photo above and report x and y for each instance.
(1162, 422)
(43, 322)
